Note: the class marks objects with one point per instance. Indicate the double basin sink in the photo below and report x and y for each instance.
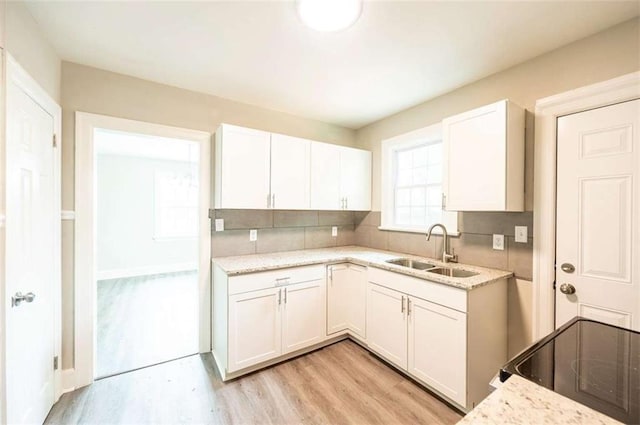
(431, 268)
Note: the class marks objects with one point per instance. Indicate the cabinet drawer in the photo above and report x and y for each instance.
(438, 293)
(273, 278)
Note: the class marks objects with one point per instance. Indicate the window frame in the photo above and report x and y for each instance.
(424, 136)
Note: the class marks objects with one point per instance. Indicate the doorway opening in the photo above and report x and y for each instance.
(146, 250)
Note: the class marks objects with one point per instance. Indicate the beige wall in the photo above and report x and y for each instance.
(92, 90)
(605, 55)
(30, 48)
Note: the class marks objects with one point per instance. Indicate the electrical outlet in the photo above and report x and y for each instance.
(498, 242)
(334, 231)
(521, 234)
(219, 223)
(253, 235)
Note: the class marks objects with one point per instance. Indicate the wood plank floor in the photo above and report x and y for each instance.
(340, 384)
(146, 320)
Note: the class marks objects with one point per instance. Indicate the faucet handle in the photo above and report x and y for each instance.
(450, 258)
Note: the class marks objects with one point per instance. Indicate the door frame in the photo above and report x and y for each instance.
(547, 111)
(85, 233)
(16, 74)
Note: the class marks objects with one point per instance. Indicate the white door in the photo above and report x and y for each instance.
(437, 347)
(355, 179)
(598, 219)
(290, 175)
(325, 181)
(30, 259)
(303, 320)
(245, 171)
(255, 328)
(387, 323)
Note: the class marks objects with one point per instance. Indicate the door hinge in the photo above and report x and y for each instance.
(55, 363)
(554, 285)
(55, 142)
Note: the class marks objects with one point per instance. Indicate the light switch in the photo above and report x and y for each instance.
(498, 242)
(521, 234)
(219, 224)
(253, 235)
(334, 231)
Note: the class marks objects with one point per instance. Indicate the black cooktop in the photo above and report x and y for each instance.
(590, 362)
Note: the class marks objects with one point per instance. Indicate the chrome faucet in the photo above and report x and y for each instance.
(446, 257)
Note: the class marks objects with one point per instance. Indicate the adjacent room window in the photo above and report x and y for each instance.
(412, 176)
(176, 205)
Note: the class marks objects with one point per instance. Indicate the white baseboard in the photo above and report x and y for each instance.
(68, 377)
(145, 271)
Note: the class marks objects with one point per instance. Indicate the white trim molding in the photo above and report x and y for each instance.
(547, 111)
(17, 75)
(85, 231)
(68, 380)
(68, 215)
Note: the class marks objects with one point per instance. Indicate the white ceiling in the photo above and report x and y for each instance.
(397, 55)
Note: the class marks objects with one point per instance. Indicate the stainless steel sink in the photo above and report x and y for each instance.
(412, 264)
(451, 272)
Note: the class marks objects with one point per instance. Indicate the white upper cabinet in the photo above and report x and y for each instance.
(484, 152)
(259, 170)
(325, 177)
(290, 173)
(340, 178)
(242, 168)
(355, 179)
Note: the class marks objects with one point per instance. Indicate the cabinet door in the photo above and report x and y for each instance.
(438, 347)
(303, 321)
(355, 178)
(356, 300)
(338, 298)
(387, 323)
(325, 176)
(290, 173)
(475, 151)
(243, 170)
(255, 331)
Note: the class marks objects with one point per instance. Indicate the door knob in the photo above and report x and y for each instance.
(19, 298)
(568, 268)
(567, 288)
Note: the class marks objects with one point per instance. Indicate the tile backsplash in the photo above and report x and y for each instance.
(283, 230)
(280, 230)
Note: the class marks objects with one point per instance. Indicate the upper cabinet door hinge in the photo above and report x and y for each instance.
(55, 141)
(55, 363)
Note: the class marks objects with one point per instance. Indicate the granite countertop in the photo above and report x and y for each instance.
(244, 264)
(519, 401)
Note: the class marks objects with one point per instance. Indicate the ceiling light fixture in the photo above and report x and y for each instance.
(329, 15)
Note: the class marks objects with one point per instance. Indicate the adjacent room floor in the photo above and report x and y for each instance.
(146, 320)
(340, 384)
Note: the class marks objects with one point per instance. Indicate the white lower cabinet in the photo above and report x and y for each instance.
(346, 299)
(303, 315)
(255, 323)
(387, 324)
(437, 347)
(259, 317)
(452, 340)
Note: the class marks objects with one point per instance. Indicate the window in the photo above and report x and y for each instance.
(176, 205)
(412, 179)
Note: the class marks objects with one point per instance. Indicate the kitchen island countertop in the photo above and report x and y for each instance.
(519, 401)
